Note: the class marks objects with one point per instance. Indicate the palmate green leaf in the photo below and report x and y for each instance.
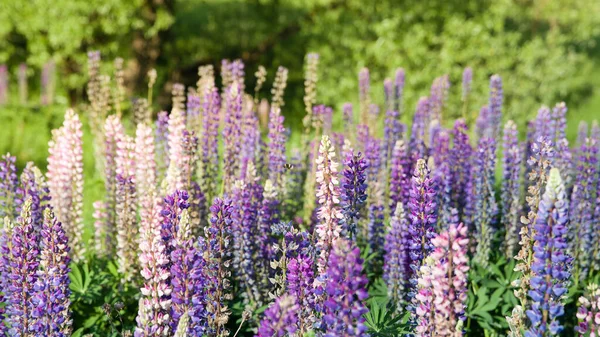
(383, 321)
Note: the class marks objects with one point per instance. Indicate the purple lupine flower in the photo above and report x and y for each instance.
(345, 292)
(172, 208)
(564, 162)
(9, 187)
(236, 69)
(348, 118)
(544, 124)
(246, 202)
(145, 165)
(3, 84)
(126, 208)
(581, 233)
(250, 138)
(559, 119)
(482, 124)
(33, 185)
(353, 190)
(268, 217)
(417, 146)
(20, 260)
(438, 96)
(424, 311)
(328, 228)
(277, 139)
(324, 117)
(443, 178)
(495, 104)
(399, 80)
(188, 279)
(162, 143)
(582, 133)
(198, 209)
(174, 179)
(231, 135)
(396, 268)
(460, 159)
(281, 318)
(375, 192)
(422, 219)
(551, 263)
(588, 313)
(210, 143)
(218, 234)
(193, 105)
(595, 131)
(511, 188)
(392, 133)
(154, 310)
(51, 299)
(300, 279)
(400, 175)
(482, 209)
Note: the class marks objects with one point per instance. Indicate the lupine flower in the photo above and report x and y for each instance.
(126, 208)
(588, 313)
(482, 207)
(544, 124)
(231, 135)
(65, 179)
(482, 124)
(236, 71)
(353, 192)
(423, 302)
(280, 318)
(145, 164)
(345, 292)
(582, 133)
(399, 81)
(51, 298)
(400, 174)
(438, 96)
(348, 117)
(292, 243)
(564, 162)
(210, 143)
(300, 279)
(268, 216)
(551, 263)
(511, 188)
(422, 219)
(173, 206)
(396, 269)
(495, 104)
(581, 232)
(34, 186)
(392, 133)
(20, 260)
(162, 143)
(279, 85)
(595, 131)
(328, 229)
(559, 118)
(187, 279)
(460, 159)
(388, 94)
(375, 193)
(417, 145)
(246, 201)
(177, 155)
(450, 280)
(277, 139)
(539, 163)
(218, 234)
(154, 311)
(193, 106)
(9, 187)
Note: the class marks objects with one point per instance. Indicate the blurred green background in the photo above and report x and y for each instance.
(545, 50)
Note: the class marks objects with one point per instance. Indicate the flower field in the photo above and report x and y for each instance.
(215, 223)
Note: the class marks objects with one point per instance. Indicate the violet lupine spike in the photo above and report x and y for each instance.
(154, 311)
(481, 203)
(300, 280)
(20, 260)
(495, 103)
(193, 105)
(511, 188)
(444, 196)
(460, 159)
(422, 219)
(559, 117)
(399, 175)
(482, 124)
(190, 160)
(187, 280)
(588, 312)
(250, 135)
(145, 164)
(450, 283)
(280, 319)
(236, 69)
(348, 118)
(173, 206)
(209, 143)
(198, 209)
(399, 80)
(33, 187)
(544, 124)
(595, 131)
(581, 231)
(218, 234)
(417, 146)
(388, 94)
(345, 292)
(564, 162)
(375, 192)
(51, 298)
(582, 133)
(5, 258)
(126, 208)
(65, 180)
(396, 268)
(246, 201)
(9, 187)
(438, 96)
(162, 143)
(392, 133)
(277, 140)
(551, 262)
(198, 312)
(353, 192)
(231, 135)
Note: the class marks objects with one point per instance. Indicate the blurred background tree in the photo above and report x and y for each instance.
(545, 50)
